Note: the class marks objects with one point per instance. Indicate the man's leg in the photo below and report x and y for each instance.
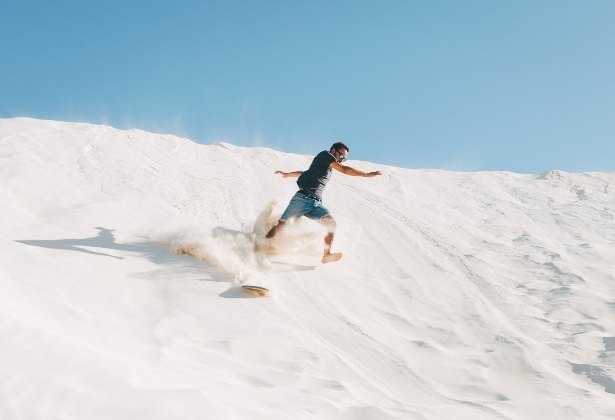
(329, 223)
(274, 230)
(298, 206)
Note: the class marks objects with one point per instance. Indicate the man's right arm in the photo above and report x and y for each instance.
(295, 174)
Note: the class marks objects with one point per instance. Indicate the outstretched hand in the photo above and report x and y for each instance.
(294, 174)
(375, 173)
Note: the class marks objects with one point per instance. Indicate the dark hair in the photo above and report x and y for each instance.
(339, 145)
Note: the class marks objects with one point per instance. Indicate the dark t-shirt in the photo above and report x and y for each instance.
(316, 177)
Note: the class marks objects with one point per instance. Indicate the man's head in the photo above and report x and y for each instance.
(340, 151)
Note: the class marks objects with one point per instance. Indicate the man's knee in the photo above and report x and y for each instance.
(329, 223)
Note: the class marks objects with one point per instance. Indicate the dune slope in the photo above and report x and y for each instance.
(460, 295)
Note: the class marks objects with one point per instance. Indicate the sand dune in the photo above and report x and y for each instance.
(460, 295)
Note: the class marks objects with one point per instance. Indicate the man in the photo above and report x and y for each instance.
(308, 200)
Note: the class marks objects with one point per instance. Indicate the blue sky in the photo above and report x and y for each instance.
(523, 86)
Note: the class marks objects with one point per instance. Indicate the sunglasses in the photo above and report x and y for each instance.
(342, 157)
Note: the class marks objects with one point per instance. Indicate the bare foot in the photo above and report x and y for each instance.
(327, 258)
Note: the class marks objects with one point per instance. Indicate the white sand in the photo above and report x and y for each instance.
(460, 295)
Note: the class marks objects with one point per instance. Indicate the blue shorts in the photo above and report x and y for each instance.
(301, 205)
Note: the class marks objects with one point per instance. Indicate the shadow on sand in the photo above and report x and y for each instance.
(105, 240)
(158, 254)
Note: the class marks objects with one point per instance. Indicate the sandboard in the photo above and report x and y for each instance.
(255, 291)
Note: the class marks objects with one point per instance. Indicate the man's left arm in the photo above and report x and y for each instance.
(347, 170)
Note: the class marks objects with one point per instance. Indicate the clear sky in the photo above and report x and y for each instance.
(523, 86)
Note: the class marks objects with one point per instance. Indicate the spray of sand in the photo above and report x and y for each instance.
(234, 254)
